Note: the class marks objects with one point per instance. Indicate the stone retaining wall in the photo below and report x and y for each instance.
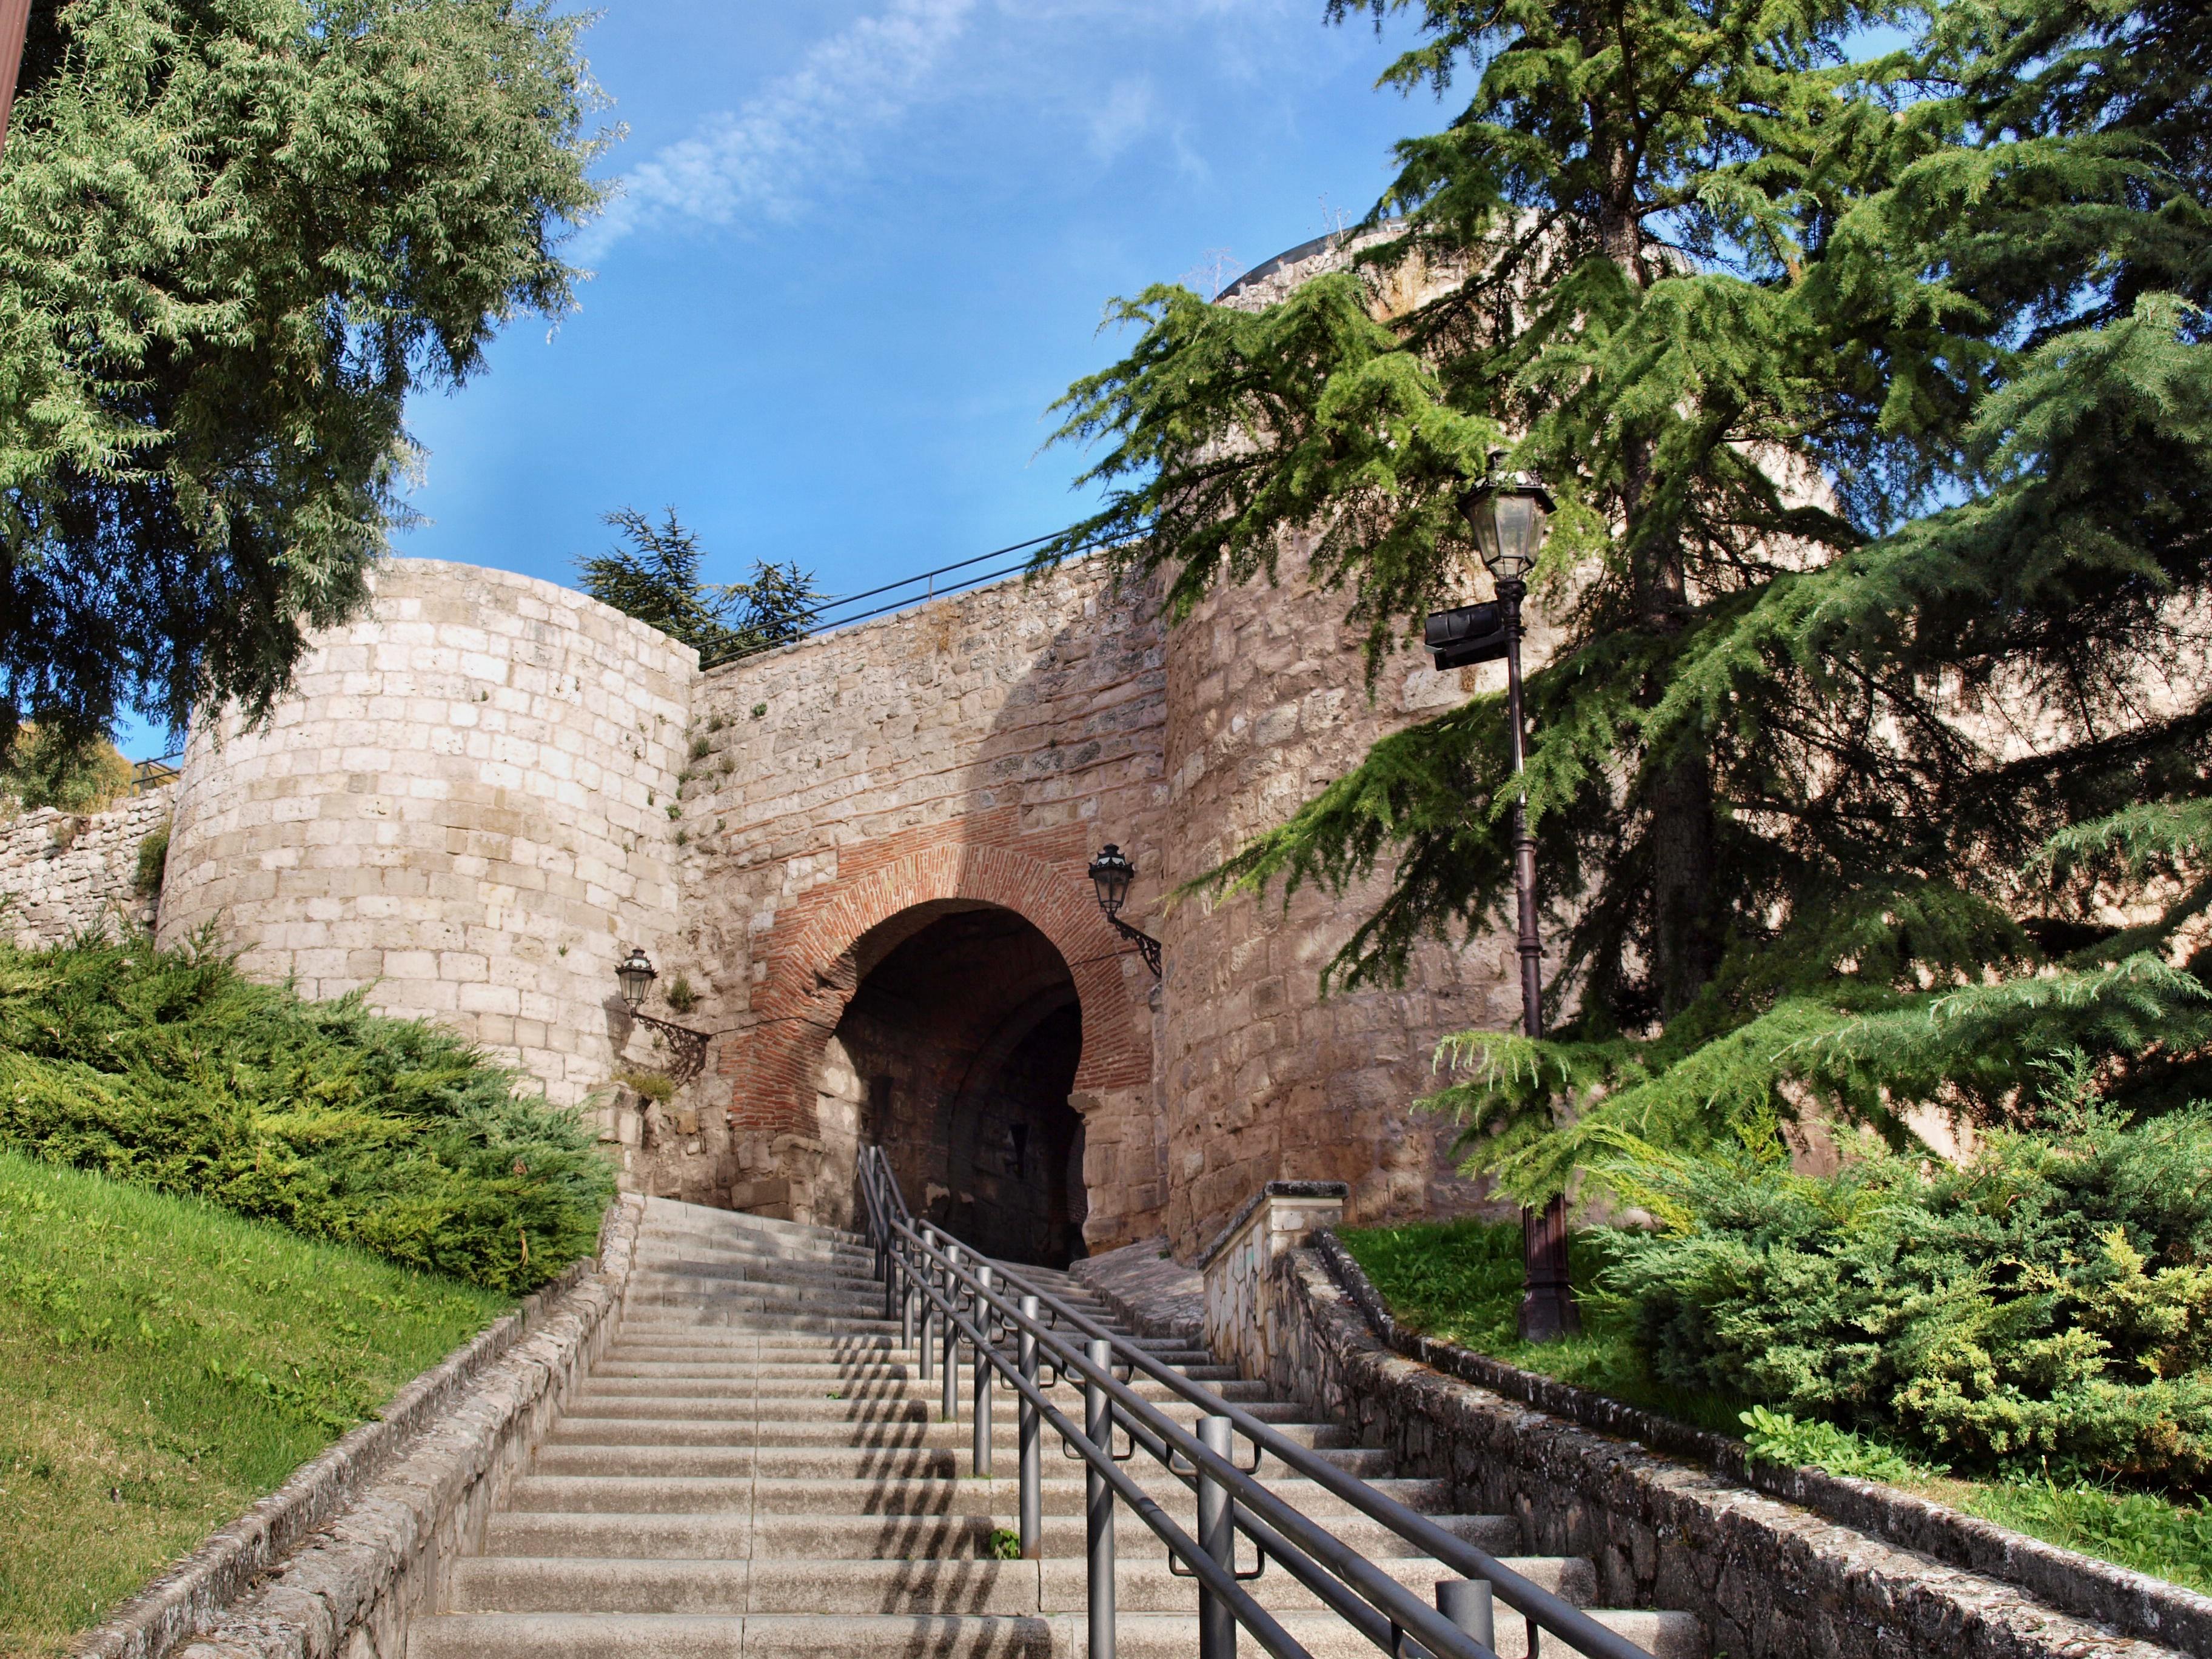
(1769, 1579)
(65, 872)
(337, 1560)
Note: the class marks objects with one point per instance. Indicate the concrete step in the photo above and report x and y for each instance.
(804, 1584)
(744, 1427)
(904, 1407)
(888, 1494)
(955, 1635)
(734, 1535)
(946, 1457)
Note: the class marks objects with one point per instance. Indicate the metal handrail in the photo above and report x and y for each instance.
(1373, 1603)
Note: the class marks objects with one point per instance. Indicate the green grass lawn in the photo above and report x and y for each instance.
(1461, 1281)
(164, 1363)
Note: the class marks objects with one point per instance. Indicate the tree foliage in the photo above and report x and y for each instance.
(235, 234)
(1877, 399)
(653, 575)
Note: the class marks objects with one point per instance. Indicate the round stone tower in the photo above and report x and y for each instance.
(464, 807)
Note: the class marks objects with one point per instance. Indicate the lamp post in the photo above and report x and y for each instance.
(688, 1048)
(1510, 515)
(1111, 872)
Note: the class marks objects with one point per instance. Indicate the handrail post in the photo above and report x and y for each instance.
(1217, 1536)
(1467, 1602)
(948, 1403)
(982, 1452)
(930, 1275)
(1098, 1507)
(906, 1301)
(1032, 1454)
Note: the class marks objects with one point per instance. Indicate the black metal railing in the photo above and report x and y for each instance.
(945, 1296)
(958, 577)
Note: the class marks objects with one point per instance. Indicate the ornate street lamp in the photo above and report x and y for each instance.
(1111, 872)
(687, 1047)
(637, 973)
(1510, 515)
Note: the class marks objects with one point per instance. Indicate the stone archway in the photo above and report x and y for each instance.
(810, 964)
(957, 1054)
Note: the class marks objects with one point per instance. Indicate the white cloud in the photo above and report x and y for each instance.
(1124, 116)
(764, 158)
(799, 135)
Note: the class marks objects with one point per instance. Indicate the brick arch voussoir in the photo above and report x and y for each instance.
(810, 978)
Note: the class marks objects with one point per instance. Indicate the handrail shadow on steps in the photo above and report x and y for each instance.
(940, 1293)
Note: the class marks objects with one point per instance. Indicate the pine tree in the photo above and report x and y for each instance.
(654, 577)
(235, 234)
(1875, 399)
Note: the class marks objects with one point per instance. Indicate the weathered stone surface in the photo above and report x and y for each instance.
(64, 873)
(1770, 1579)
(1143, 1283)
(339, 1558)
(464, 806)
(484, 792)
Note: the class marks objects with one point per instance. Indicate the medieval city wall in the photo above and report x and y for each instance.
(976, 750)
(463, 806)
(66, 873)
(1266, 1079)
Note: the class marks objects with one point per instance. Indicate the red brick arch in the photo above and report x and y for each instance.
(812, 974)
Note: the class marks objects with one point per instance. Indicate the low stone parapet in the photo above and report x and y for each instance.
(1243, 1321)
(1770, 1578)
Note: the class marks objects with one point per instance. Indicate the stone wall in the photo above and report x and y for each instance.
(65, 872)
(465, 806)
(1266, 1078)
(1243, 1318)
(843, 792)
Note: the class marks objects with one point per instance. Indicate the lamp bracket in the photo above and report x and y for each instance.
(688, 1048)
(1148, 946)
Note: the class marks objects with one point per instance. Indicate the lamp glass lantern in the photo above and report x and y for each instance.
(1111, 872)
(637, 973)
(1510, 514)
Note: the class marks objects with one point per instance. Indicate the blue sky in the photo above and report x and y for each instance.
(863, 244)
(862, 247)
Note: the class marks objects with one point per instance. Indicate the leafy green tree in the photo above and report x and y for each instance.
(654, 577)
(234, 235)
(1875, 399)
(48, 767)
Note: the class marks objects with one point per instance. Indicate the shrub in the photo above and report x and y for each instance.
(681, 997)
(2051, 1299)
(658, 1087)
(153, 862)
(172, 1070)
(46, 767)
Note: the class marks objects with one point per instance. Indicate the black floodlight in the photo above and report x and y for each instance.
(1470, 635)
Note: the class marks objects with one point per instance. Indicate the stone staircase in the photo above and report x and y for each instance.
(755, 1468)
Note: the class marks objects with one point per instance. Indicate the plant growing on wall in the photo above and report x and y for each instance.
(1877, 397)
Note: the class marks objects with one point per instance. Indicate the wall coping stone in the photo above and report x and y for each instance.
(2135, 1603)
(234, 1560)
(1272, 1189)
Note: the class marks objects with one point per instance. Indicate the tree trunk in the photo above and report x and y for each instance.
(1678, 796)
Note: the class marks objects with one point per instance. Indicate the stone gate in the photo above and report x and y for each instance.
(858, 863)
